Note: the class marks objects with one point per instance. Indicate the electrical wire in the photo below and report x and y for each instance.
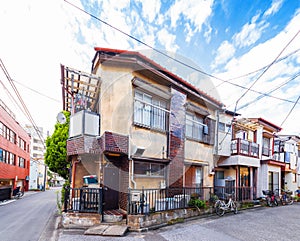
(265, 70)
(290, 112)
(35, 91)
(271, 91)
(184, 64)
(191, 67)
(27, 113)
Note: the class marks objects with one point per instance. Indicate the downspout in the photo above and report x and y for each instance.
(132, 164)
(74, 171)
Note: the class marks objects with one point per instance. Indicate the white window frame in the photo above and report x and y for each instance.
(194, 126)
(150, 111)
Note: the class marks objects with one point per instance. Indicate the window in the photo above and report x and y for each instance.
(12, 158)
(198, 177)
(22, 144)
(150, 111)
(1, 128)
(1, 155)
(12, 137)
(273, 181)
(266, 146)
(149, 169)
(194, 126)
(221, 126)
(21, 162)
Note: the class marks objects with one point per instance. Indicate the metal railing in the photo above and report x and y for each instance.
(244, 147)
(144, 201)
(141, 201)
(241, 194)
(85, 200)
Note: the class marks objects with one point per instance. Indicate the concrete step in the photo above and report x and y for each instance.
(107, 230)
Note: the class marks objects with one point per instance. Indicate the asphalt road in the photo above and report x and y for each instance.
(260, 224)
(30, 218)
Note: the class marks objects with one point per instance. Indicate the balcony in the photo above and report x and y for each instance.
(245, 148)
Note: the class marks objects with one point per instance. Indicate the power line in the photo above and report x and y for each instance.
(265, 70)
(181, 62)
(27, 113)
(143, 43)
(33, 90)
(186, 65)
(269, 92)
(290, 111)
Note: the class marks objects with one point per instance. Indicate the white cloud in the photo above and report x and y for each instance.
(167, 40)
(224, 52)
(189, 32)
(276, 4)
(195, 11)
(250, 33)
(150, 9)
(259, 56)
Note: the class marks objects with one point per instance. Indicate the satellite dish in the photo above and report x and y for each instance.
(61, 118)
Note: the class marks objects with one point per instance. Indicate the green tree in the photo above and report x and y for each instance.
(56, 148)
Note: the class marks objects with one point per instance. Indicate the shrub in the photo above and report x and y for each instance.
(197, 203)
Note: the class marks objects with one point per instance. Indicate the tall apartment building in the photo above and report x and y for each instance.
(14, 151)
(38, 170)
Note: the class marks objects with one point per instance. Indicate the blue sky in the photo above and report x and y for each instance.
(232, 40)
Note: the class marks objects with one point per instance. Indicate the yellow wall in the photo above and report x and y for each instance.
(116, 101)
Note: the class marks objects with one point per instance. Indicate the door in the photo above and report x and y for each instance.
(111, 190)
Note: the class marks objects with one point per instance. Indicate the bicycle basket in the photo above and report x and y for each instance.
(266, 192)
(289, 192)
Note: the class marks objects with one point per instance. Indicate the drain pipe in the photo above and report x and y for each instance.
(132, 163)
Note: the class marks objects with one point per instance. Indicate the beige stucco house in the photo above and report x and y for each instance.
(151, 128)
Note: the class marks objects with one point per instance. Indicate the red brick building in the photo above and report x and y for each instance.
(14, 151)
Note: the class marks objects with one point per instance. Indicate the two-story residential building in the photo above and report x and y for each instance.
(245, 156)
(286, 150)
(153, 129)
(270, 169)
(14, 151)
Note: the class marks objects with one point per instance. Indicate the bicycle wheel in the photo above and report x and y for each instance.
(234, 208)
(219, 208)
(275, 202)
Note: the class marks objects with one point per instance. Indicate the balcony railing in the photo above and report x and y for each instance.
(244, 147)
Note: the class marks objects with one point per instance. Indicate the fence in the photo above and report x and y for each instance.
(85, 200)
(5, 193)
(142, 201)
(241, 194)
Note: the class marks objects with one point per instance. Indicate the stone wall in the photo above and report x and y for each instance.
(148, 221)
(80, 220)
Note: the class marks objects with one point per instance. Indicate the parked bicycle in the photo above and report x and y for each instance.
(18, 192)
(286, 197)
(270, 198)
(221, 206)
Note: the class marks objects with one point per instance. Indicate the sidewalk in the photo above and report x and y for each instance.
(28, 193)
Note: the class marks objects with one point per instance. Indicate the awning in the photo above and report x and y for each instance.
(195, 162)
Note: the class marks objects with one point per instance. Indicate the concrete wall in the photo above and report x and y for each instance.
(143, 222)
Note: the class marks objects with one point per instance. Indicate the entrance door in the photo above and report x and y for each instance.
(111, 191)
